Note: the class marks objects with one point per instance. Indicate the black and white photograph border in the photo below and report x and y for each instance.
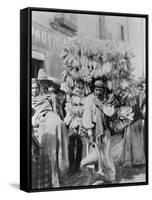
(89, 116)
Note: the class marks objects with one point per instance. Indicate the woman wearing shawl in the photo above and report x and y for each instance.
(51, 133)
(130, 119)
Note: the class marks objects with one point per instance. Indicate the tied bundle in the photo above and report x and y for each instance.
(125, 112)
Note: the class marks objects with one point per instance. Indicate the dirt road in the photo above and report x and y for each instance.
(123, 174)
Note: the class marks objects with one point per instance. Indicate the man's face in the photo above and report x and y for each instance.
(139, 89)
(44, 88)
(35, 90)
(61, 96)
(51, 88)
(98, 91)
(144, 86)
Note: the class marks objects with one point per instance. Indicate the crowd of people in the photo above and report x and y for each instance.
(72, 131)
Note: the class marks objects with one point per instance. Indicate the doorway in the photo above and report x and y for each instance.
(36, 65)
(38, 59)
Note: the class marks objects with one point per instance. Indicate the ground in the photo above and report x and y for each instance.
(123, 174)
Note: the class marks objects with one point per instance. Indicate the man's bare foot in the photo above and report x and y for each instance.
(98, 183)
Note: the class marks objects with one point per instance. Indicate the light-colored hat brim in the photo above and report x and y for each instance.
(55, 81)
(46, 81)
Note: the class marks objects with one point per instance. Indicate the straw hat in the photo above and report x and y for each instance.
(42, 77)
(54, 80)
(50, 81)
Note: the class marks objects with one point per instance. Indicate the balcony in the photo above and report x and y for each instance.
(68, 23)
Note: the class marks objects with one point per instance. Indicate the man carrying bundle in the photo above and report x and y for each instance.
(97, 111)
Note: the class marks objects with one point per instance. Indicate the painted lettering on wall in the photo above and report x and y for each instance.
(46, 38)
(40, 36)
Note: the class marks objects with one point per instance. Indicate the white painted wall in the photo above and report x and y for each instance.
(134, 32)
(137, 43)
(113, 26)
(88, 25)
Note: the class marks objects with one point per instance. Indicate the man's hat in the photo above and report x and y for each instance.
(42, 77)
(98, 83)
(55, 82)
(50, 81)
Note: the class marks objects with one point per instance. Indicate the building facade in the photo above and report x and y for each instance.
(50, 28)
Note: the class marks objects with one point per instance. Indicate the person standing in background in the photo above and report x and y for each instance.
(47, 89)
(51, 134)
(133, 141)
(73, 119)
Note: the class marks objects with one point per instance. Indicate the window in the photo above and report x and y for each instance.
(67, 20)
(38, 60)
(122, 33)
(70, 17)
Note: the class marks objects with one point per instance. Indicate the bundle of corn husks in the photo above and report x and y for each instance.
(89, 58)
